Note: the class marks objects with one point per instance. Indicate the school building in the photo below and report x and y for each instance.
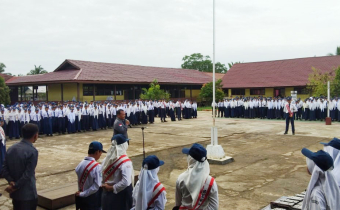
(95, 81)
(275, 78)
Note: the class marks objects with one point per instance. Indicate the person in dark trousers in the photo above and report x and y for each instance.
(289, 109)
(121, 124)
(19, 170)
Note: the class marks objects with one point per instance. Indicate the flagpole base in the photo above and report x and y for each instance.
(215, 152)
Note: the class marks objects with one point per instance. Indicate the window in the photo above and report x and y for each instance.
(237, 91)
(301, 90)
(88, 90)
(260, 91)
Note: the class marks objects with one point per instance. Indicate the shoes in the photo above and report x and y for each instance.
(293, 133)
(285, 133)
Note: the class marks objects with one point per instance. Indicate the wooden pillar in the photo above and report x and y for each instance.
(21, 93)
(190, 93)
(46, 92)
(115, 92)
(62, 93)
(33, 93)
(94, 92)
(78, 98)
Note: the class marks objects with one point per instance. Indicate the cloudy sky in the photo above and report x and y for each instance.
(160, 32)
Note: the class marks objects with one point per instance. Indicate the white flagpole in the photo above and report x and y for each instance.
(214, 64)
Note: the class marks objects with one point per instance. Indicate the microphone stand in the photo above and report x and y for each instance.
(143, 142)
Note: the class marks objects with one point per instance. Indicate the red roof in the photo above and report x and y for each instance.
(217, 75)
(6, 76)
(86, 71)
(281, 73)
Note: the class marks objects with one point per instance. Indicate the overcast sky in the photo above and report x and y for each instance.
(160, 32)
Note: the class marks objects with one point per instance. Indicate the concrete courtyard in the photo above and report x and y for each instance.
(267, 163)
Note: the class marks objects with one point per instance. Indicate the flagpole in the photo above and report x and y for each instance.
(214, 100)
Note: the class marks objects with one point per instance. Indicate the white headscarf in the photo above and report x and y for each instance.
(195, 177)
(328, 184)
(335, 154)
(144, 187)
(114, 153)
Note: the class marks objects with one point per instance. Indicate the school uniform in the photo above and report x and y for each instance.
(162, 108)
(47, 120)
(85, 120)
(290, 108)
(89, 174)
(61, 120)
(151, 113)
(172, 113)
(71, 126)
(13, 130)
(2, 147)
(144, 112)
(101, 117)
(194, 110)
(246, 109)
(78, 120)
(95, 124)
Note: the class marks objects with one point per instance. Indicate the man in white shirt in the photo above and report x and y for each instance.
(289, 109)
(89, 174)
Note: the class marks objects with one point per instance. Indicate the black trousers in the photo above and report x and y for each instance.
(120, 201)
(25, 205)
(291, 119)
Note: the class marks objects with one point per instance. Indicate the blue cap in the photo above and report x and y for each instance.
(197, 151)
(120, 139)
(335, 143)
(95, 145)
(152, 162)
(321, 158)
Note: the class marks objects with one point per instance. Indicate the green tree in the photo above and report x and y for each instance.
(4, 92)
(317, 82)
(154, 92)
(2, 67)
(232, 63)
(337, 52)
(335, 84)
(202, 63)
(37, 70)
(206, 93)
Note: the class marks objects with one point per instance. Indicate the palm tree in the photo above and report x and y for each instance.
(337, 52)
(37, 70)
(2, 67)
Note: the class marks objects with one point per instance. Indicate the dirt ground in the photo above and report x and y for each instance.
(267, 163)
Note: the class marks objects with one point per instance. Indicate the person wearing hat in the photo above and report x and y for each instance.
(2, 143)
(333, 149)
(77, 113)
(13, 130)
(89, 174)
(323, 190)
(117, 176)
(149, 193)
(289, 110)
(85, 118)
(195, 180)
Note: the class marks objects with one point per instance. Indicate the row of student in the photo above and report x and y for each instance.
(75, 117)
(311, 109)
(109, 186)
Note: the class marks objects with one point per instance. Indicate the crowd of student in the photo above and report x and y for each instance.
(72, 117)
(312, 109)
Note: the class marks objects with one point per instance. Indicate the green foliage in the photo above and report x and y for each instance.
(318, 82)
(37, 70)
(154, 92)
(202, 63)
(4, 92)
(206, 93)
(232, 63)
(335, 85)
(337, 52)
(2, 67)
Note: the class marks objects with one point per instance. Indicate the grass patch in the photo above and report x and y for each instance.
(204, 108)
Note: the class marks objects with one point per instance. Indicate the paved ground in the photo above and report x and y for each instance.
(267, 163)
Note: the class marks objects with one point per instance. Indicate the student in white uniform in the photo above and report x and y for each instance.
(323, 191)
(194, 181)
(149, 193)
(333, 149)
(117, 176)
(89, 174)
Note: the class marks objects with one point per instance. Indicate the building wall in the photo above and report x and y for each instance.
(70, 91)
(54, 92)
(269, 92)
(194, 93)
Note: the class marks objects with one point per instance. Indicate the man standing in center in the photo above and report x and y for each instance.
(289, 109)
(121, 124)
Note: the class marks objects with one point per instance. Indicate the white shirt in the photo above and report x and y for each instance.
(94, 179)
(122, 177)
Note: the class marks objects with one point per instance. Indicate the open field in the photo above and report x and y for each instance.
(267, 163)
